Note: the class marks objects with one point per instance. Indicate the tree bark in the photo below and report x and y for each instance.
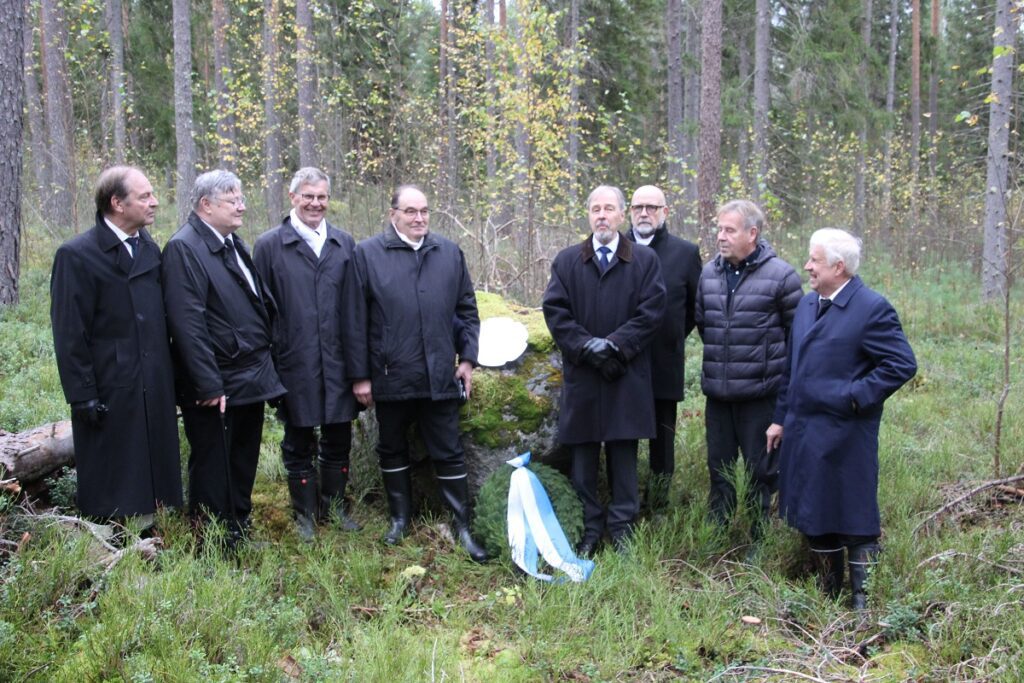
(12, 100)
(38, 139)
(742, 43)
(995, 250)
(915, 105)
(306, 83)
(890, 107)
(762, 95)
(674, 109)
(186, 146)
(860, 198)
(573, 145)
(59, 118)
(691, 98)
(272, 169)
(115, 33)
(933, 118)
(226, 144)
(710, 164)
(37, 453)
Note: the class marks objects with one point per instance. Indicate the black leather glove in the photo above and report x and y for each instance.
(612, 369)
(91, 412)
(596, 351)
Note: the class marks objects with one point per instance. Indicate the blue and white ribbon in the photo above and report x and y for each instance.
(533, 527)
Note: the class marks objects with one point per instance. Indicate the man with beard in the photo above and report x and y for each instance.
(680, 268)
(110, 339)
(305, 263)
(604, 304)
(746, 298)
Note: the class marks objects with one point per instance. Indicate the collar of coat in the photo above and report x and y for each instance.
(392, 241)
(659, 234)
(624, 252)
(108, 240)
(292, 235)
(766, 253)
(842, 298)
(206, 235)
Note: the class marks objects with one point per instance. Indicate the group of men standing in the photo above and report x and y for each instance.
(321, 327)
(773, 364)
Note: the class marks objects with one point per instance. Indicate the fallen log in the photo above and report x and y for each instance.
(33, 455)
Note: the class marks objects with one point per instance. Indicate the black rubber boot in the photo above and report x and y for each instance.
(333, 481)
(455, 493)
(398, 487)
(862, 559)
(302, 490)
(831, 568)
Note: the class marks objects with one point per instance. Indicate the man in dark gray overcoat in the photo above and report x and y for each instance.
(220, 316)
(110, 338)
(847, 355)
(305, 262)
(680, 268)
(604, 304)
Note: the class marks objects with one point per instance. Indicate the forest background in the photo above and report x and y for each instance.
(896, 119)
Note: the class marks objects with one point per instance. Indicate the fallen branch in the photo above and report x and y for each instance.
(973, 492)
(948, 554)
(771, 670)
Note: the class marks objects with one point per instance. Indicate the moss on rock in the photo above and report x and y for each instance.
(491, 305)
(502, 408)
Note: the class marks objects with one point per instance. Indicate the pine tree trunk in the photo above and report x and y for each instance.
(12, 94)
(710, 164)
(307, 86)
(38, 139)
(273, 180)
(115, 32)
(186, 146)
(915, 106)
(860, 199)
(744, 130)
(573, 145)
(890, 107)
(691, 99)
(994, 261)
(226, 144)
(674, 109)
(933, 119)
(60, 199)
(762, 95)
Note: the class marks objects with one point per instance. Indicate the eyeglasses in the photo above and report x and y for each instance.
(233, 201)
(308, 198)
(649, 208)
(412, 213)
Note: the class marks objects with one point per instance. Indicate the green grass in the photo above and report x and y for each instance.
(944, 606)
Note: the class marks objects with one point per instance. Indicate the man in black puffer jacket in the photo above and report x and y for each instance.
(746, 299)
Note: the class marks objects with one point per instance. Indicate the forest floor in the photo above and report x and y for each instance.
(685, 603)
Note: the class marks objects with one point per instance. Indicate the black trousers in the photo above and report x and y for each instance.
(831, 542)
(299, 447)
(438, 423)
(220, 481)
(663, 447)
(734, 426)
(622, 480)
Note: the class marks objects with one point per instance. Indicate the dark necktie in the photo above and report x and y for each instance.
(823, 306)
(133, 242)
(604, 251)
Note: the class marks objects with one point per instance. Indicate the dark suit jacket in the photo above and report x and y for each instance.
(110, 339)
(220, 328)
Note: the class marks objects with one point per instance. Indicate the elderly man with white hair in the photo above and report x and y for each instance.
(847, 354)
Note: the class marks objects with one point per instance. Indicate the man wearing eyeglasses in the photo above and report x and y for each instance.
(680, 268)
(219, 313)
(304, 262)
(403, 357)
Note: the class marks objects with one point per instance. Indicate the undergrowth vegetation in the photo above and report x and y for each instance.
(945, 602)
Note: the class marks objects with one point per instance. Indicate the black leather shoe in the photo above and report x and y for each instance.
(586, 549)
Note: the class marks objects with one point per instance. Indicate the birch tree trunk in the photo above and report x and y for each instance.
(115, 33)
(12, 94)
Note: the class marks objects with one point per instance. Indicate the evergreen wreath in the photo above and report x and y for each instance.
(490, 525)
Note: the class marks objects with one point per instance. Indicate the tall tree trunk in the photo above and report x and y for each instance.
(743, 133)
(995, 250)
(59, 117)
(710, 164)
(38, 140)
(272, 169)
(573, 146)
(933, 118)
(115, 33)
(12, 94)
(492, 91)
(915, 105)
(186, 146)
(890, 109)
(449, 170)
(674, 108)
(691, 99)
(226, 144)
(762, 95)
(307, 87)
(860, 198)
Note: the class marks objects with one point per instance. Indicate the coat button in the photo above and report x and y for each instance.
(139, 316)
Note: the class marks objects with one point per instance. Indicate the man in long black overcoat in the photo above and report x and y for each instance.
(604, 304)
(680, 268)
(110, 338)
(220, 316)
(305, 262)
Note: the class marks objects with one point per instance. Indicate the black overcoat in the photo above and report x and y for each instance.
(308, 333)
(401, 313)
(625, 304)
(110, 339)
(839, 371)
(680, 269)
(220, 328)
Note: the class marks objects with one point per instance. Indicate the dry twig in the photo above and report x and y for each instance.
(973, 492)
